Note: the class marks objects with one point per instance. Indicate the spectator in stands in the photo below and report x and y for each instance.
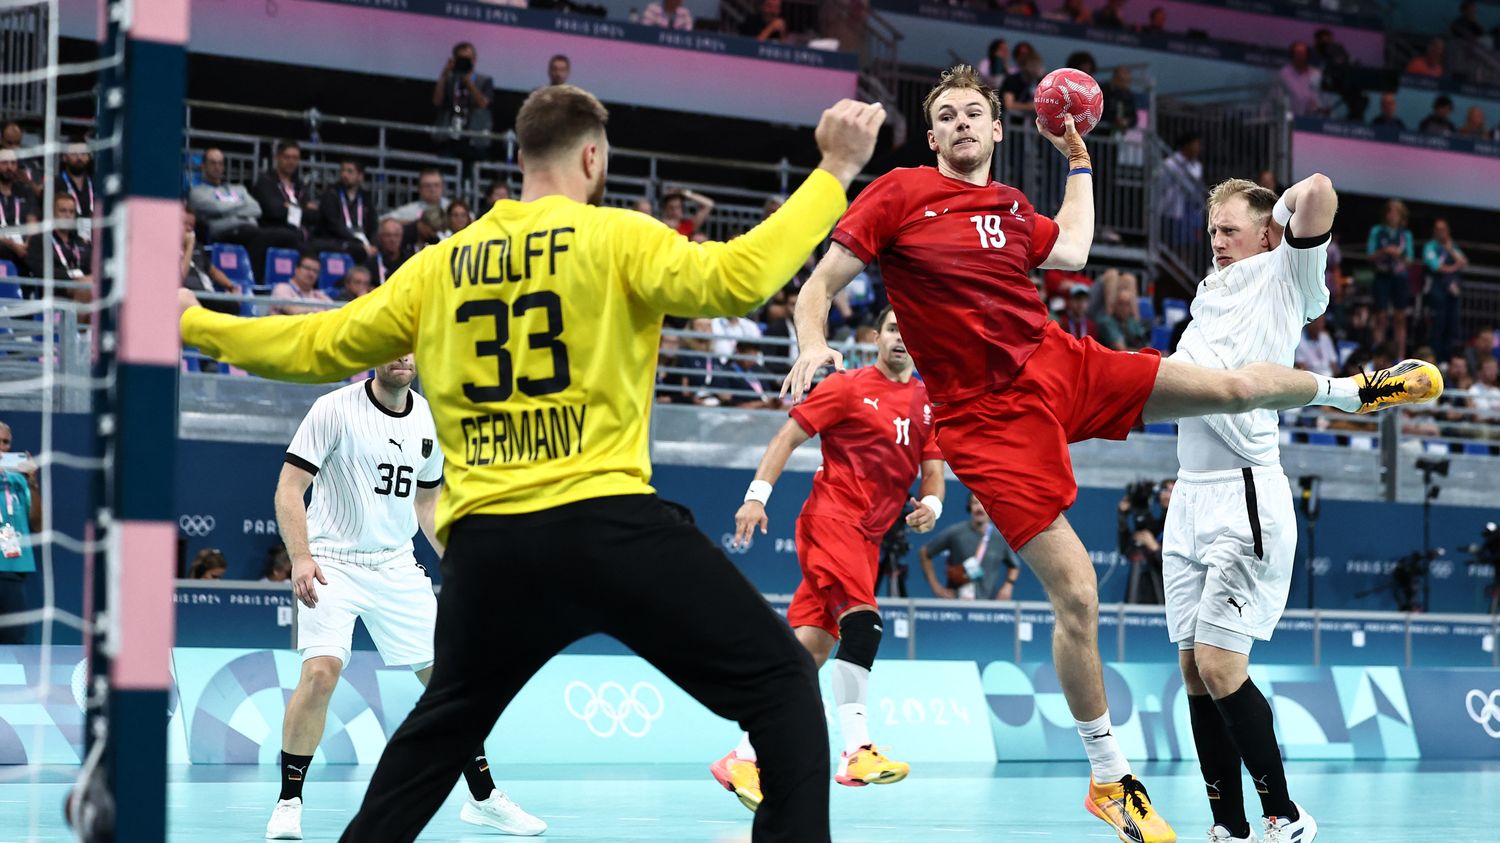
(673, 211)
(995, 65)
(77, 180)
(670, 386)
(1072, 11)
(303, 286)
(671, 14)
(278, 565)
(462, 98)
(1025, 8)
(498, 191)
(1329, 56)
(390, 252)
(427, 230)
(72, 257)
(1466, 27)
(430, 188)
(459, 217)
(1182, 189)
(698, 357)
(1018, 90)
(979, 564)
(1122, 328)
(229, 213)
(1075, 319)
(1474, 127)
(1430, 62)
(201, 276)
(1316, 352)
(1480, 348)
(779, 325)
(208, 564)
(17, 208)
(559, 68)
(1387, 115)
(766, 24)
(744, 382)
(1444, 261)
(283, 197)
(728, 331)
(12, 138)
(1440, 121)
(347, 214)
(1157, 21)
(19, 521)
(1302, 83)
(1391, 249)
(1327, 52)
(1120, 112)
(772, 204)
(1267, 178)
(1083, 60)
(1111, 15)
(355, 283)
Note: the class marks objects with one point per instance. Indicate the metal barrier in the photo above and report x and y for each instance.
(23, 49)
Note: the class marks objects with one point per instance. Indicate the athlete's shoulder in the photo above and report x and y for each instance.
(337, 400)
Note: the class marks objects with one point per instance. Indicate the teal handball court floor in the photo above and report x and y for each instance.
(1354, 802)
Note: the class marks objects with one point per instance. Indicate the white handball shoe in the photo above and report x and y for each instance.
(498, 812)
(1220, 834)
(1283, 830)
(286, 820)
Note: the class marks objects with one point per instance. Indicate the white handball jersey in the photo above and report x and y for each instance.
(367, 463)
(1251, 311)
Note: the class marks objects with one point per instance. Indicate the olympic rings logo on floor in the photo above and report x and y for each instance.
(196, 525)
(1485, 710)
(613, 709)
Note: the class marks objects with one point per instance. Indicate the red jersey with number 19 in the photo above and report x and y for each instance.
(875, 433)
(956, 259)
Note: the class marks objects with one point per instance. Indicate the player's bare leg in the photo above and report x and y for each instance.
(1183, 389)
(1062, 564)
(301, 730)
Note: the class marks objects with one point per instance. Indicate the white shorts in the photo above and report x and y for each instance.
(395, 601)
(1227, 554)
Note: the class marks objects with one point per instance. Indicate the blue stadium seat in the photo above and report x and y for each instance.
(1174, 311)
(1318, 437)
(335, 266)
(1477, 448)
(192, 174)
(1163, 428)
(233, 261)
(9, 289)
(1148, 311)
(280, 264)
(1161, 337)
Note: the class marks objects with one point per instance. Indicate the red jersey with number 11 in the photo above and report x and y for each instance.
(956, 259)
(875, 432)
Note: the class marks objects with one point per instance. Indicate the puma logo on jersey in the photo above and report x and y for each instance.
(394, 442)
(873, 402)
(930, 213)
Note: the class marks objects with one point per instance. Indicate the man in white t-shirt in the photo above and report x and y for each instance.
(369, 452)
(1316, 352)
(1231, 533)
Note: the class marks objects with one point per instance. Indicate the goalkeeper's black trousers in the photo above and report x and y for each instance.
(519, 588)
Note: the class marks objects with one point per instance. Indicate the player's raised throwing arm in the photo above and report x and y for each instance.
(1307, 207)
(291, 518)
(752, 513)
(1075, 219)
(834, 272)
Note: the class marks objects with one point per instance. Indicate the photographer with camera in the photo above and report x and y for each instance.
(980, 565)
(1486, 551)
(462, 99)
(1142, 519)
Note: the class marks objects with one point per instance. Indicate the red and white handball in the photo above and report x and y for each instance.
(1069, 91)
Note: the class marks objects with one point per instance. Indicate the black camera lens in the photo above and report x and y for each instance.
(463, 64)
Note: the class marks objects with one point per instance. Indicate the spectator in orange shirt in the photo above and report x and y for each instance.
(1430, 63)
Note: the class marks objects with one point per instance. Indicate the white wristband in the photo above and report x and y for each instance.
(1281, 213)
(933, 503)
(759, 491)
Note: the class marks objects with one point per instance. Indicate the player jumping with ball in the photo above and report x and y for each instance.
(876, 430)
(1011, 390)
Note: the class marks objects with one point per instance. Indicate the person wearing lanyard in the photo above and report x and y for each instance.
(348, 223)
(281, 194)
(976, 555)
(72, 259)
(77, 183)
(304, 285)
(20, 517)
(15, 207)
(389, 253)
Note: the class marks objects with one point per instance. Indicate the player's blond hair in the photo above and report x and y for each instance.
(1261, 200)
(555, 118)
(960, 77)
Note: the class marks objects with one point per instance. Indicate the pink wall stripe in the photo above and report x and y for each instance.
(142, 602)
(163, 21)
(148, 315)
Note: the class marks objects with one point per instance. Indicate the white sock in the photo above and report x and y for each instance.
(1108, 763)
(851, 687)
(745, 752)
(1340, 393)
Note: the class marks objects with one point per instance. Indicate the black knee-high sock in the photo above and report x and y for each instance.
(1248, 716)
(477, 774)
(293, 771)
(1219, 760)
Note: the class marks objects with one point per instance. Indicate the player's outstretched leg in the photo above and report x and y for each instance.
(861, 763)
(1183, 389)
(301, 730)
(1114, 795)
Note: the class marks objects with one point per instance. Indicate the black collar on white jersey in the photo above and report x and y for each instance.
(370, 392)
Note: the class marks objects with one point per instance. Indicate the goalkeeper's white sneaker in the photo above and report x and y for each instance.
(500, 813)
(1283, 830)
(286, 820)
(1220, 834)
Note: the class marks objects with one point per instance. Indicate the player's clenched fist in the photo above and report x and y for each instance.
(846, 136)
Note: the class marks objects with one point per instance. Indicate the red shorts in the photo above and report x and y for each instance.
(1010, 448)
(838, 571)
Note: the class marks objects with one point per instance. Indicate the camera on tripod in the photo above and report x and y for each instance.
(1410, 575)
(1139, 516)
(1486, 551)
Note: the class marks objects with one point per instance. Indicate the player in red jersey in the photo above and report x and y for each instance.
(876, 429)
(1011, 389)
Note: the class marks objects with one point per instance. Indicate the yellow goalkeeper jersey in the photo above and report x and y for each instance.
(535, 331)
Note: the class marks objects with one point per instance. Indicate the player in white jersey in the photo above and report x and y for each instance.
(1231, 533)
(369, 451)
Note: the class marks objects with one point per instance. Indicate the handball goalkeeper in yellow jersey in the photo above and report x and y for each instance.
(536, 331)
